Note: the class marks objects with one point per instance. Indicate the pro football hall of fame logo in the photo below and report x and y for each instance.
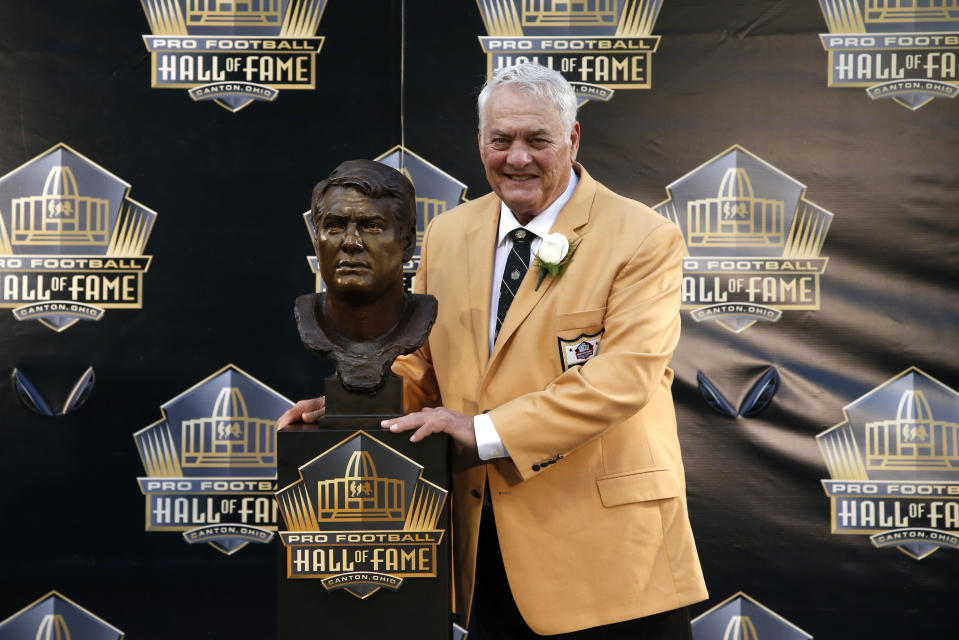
(211, 462)
(904, 50)
(894, 466)
(753, 241)
(739, 617)
(71, 241)
(55, 617)
(233, 51)
(436, 191)
(361, 517)
(598, 45)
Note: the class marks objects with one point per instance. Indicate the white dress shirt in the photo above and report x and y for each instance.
(488, 443)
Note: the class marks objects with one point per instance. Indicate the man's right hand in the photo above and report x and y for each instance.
(303, 411)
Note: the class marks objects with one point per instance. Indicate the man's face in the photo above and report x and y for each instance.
(358, 245)
(526, 155)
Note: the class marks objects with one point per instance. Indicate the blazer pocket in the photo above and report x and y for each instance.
(637, 486)
(591, 319)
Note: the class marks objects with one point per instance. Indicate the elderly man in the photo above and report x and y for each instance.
(558, 382)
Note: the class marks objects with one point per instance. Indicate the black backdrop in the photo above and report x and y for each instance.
(229, 247)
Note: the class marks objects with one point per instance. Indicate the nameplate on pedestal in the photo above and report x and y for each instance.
(361, 517)
(363, 512)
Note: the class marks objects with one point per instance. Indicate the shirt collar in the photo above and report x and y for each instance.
(540, 224)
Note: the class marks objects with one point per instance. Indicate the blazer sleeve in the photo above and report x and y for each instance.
(420, 387)
(641, 330)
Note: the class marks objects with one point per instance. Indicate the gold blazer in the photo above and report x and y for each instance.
(591, 504)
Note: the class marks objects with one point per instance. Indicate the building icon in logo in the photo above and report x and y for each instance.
(229, 436)
(362, 517)
(56, 617)
(71, 240)
(914, 439)
(753, 240)
(891, 11)
(735, 217)
(233, 52)
(588, 13)
(360, 494)
(740, 617)
(202, 13)
(904, 50)
(436, 192)
(598, 45)
(211, 462)
(894, 466)
(60, 214)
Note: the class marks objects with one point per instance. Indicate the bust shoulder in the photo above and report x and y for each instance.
(361, 365)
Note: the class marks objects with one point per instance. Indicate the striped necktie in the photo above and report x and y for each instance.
(517, 263)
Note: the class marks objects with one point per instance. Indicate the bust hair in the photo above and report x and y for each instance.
(537, 80)
(374, 180)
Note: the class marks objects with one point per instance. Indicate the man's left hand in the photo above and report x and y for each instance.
(435, 420)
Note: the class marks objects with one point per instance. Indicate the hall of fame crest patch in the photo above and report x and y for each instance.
(753, 241)
(599, 46)
(71, 240)
(233, 52)
(436, 192)
(740, 617)
(578, 350)
(894, 466)
(56, 617)
(211, 462)
(903, 50)
(361, 517)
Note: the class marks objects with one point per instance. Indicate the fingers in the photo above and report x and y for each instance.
(424, 431)
(285, 420)
(413, 421)
(424, 424)
(316, 410)
(404, 423)
(309, 410)
(418, 421)
(430, 421)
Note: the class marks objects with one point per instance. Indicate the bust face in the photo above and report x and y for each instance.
(358, 245)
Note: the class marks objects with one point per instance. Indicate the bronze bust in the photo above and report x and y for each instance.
(364, 217)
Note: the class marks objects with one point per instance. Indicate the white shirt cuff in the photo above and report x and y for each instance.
(488, 444)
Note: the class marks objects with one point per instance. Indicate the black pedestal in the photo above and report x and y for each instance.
(382, 513)
(385, 402)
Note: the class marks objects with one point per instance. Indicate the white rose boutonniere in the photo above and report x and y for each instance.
(553, 256)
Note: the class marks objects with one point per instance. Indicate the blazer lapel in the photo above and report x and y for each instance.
(571, 219)
(480, 244)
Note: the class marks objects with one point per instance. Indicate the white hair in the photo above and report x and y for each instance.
(537, 80)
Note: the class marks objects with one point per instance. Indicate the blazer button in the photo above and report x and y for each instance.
(535, 467)
(476, 494)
